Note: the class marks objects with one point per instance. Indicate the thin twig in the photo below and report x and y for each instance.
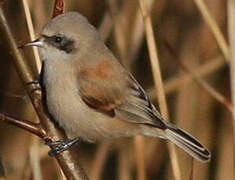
(13, 95)
(214, 28)
(174, 83)
(158, 81)
(29, 126)
(200, 81)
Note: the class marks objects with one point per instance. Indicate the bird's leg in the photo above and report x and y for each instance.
(61, 146)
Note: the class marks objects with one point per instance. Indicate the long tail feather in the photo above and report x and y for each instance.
(188, 143)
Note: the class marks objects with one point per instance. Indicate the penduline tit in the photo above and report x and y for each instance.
(90, 94)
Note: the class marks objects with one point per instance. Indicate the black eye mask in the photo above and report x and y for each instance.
(60, 42)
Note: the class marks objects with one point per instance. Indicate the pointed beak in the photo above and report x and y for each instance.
(37, 43)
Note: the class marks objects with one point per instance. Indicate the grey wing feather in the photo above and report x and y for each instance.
(137, 107)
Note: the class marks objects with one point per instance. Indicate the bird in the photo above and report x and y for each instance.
(91, 95)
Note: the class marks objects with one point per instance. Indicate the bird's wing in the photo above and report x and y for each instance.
(99, 97)
(118, 94)
(137, 107)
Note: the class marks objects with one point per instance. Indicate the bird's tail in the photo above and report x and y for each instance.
(188, 143)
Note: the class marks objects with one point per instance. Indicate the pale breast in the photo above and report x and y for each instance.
(68, 109)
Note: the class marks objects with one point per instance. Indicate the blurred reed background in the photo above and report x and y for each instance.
(194, 40)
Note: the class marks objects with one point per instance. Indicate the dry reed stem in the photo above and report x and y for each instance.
(214, 28)
(124, 164)
(119, 33)
(124, 46)
(174, 83)
(138, 33)
(190, 107)
(34, 148)
(26, 170)
(39, 14)
(154, 60)
(158, 82)
(129, 48)
(185, 106)
(231, 36)
(214, 93)
(191, 171)
(203, 128)
(203, 70)
(139, 155)
(100, 159)
(225, 166)
(34, 159)
(105, 27)
(31, 34)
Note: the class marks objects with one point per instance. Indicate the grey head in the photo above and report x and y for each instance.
(67, 36)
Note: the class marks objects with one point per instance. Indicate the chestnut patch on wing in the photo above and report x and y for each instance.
(100, 70)
(103, 106)
(98, 97)
(100, 88)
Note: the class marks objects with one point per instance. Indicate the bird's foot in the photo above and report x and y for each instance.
(61, 146)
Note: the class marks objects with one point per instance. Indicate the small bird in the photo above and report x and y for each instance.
(91, 95)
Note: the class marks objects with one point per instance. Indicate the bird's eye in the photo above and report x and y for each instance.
(58, 39)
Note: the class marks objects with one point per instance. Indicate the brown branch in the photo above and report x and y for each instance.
(34, 128)
(67, 161)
